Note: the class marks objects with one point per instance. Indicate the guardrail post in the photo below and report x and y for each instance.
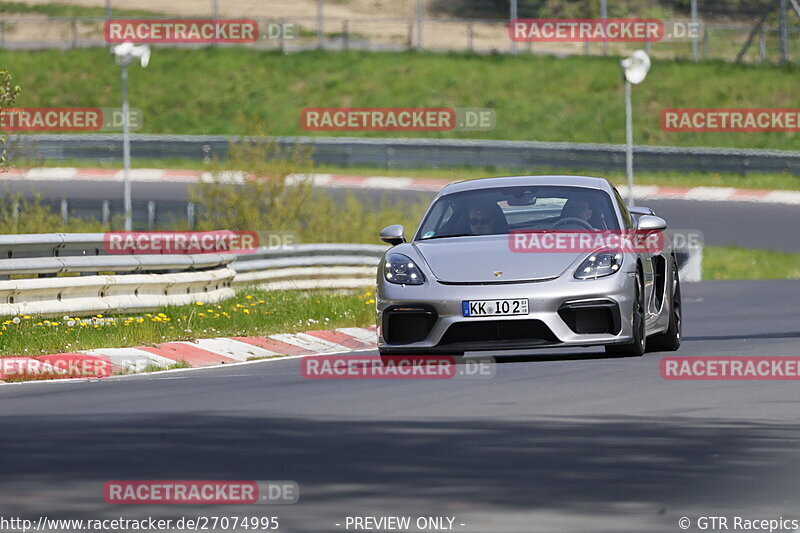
(15, 214)
(106, 213)
(190, 215)
(320, 23)
(64, 211)
(151, 214)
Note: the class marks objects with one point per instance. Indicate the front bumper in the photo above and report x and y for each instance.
(562, 312)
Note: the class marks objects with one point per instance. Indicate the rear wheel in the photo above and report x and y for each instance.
(670, 340)
(636, 347)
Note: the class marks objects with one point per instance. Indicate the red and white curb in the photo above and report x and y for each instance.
(644, 192)
(105, 362)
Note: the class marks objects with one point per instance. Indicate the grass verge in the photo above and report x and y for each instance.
(732, 262)
(572, 99)
(250, 312)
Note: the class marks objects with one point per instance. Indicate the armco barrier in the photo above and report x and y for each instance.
(92, 281)
(74, 274)
(412, 152)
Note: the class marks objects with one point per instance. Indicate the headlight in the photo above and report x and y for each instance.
(399, 269)
(600, 264)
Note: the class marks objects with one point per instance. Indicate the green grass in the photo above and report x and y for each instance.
(576, 99)
(251, 312)
(781, 181)
(732, 262)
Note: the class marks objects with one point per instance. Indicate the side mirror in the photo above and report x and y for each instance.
(651, 223)
(393, 235)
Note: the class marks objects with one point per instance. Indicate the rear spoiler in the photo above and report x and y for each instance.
(637, 210)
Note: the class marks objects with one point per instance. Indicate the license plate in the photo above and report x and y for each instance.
(495, 307)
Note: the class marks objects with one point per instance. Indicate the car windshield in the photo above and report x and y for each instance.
(501, 210)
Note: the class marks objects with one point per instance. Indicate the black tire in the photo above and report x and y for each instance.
(670, 340)
(638, 345)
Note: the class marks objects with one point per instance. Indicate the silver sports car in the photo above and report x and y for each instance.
(515, 263)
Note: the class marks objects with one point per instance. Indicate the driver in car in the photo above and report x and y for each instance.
(486, 219)
(579, 208)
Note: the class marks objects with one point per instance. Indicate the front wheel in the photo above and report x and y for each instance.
(670, 340)
(636, 347)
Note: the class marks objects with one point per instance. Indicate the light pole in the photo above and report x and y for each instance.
(124, 54)
(635, 69)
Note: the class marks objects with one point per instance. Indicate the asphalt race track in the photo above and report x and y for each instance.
(554, 441)
(751, 225)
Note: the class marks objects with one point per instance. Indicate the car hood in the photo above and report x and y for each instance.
(478, 259)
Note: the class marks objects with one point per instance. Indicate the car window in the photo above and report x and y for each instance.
(501, 210)
(626, 215)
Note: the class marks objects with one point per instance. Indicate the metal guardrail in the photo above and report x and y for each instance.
(409, 153)
(102, 282)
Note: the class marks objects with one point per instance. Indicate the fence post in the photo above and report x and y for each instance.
(419, 25)
(604, 15)
(762, 45)
(695, 51)
(151, 215)
(73, 28)
(15, 214)
(706, 34)
(784, 34)
(470, 35)
(345, 35)
(2, 34)
(410, 39)
(320, 22)
(106, 213)
(64, 211)
(190, 215)
(512, 16)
